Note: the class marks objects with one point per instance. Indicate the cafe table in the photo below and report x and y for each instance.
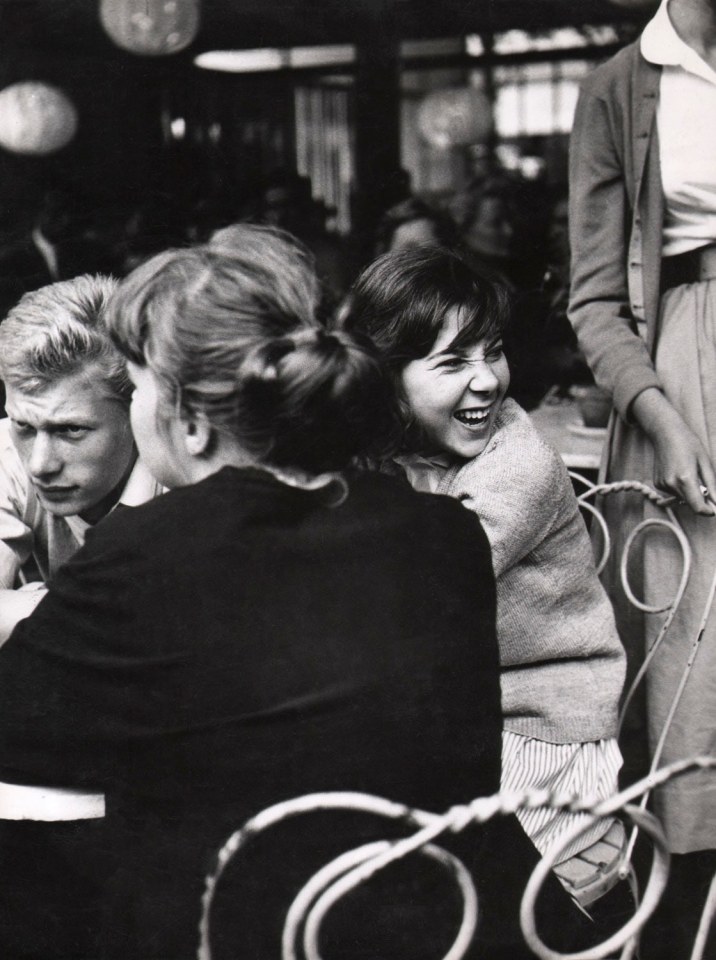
(559, 418)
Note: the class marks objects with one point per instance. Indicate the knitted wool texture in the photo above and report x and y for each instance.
(562, 662)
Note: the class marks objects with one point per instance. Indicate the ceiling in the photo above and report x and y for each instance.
(66, 28)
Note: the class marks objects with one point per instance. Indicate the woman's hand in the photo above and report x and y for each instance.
(682, 465)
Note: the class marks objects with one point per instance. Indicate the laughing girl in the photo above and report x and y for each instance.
(439, 324)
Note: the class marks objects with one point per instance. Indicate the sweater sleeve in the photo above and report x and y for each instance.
(517, 506)
(599, 219)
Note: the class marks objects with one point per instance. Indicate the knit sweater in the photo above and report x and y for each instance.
(561, 658)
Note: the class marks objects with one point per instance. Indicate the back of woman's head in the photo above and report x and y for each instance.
(231, 335)
(401, 301)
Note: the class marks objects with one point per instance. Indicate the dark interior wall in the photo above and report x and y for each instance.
(122, 155)
(117, 151)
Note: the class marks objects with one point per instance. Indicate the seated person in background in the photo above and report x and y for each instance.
(487, 223)
(502, 222)
(439, 324)
(276, 624)
(286, 202)
(412, 223)
(60, 241)
(67, 455)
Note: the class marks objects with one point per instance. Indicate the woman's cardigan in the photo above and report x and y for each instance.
(616, 216)
(561, 658)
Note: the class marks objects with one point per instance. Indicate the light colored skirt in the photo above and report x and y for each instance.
(686, 364)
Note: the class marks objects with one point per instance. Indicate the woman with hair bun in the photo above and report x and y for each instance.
(277, 624)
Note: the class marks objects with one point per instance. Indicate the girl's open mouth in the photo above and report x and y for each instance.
(473, 416)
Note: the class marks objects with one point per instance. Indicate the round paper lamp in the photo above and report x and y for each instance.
(456, 117)
(151, 27)
(35, 118)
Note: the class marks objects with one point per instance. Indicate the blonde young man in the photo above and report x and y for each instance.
(67, 456)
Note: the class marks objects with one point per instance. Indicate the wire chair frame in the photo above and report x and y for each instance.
(670, 523)
(305, 917)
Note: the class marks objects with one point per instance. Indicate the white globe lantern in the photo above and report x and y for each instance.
(35, 118)
(455, 117)
(150, 27)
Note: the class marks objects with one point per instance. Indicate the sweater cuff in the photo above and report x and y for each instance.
(628, 388)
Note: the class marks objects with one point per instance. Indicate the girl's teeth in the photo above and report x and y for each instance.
(472, 416)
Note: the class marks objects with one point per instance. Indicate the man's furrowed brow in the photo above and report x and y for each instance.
(52, 424)
(70, 420)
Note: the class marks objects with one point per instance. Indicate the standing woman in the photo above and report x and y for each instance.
(276, 624)
(643, 303)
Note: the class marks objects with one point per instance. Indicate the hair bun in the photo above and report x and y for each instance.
(327, 341)
(322, 396)
(260, 363)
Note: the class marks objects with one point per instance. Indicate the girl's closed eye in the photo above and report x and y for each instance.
(450, 363)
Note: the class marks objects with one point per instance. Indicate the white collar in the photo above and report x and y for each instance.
(661, 45)
(139, 488)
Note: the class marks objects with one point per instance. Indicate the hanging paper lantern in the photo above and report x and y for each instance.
(151, 27)
(456, 117)
(35, 118)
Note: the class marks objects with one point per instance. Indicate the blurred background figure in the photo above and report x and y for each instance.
(412, 222)
(485, 216)
(61, 241)
(148, 228)
(285, 201)
(502, 220)
(565, 362)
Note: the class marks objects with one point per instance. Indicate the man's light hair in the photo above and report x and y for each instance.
(60, 330)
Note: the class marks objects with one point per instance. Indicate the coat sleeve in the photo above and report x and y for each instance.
(599, 217)
(78, 677)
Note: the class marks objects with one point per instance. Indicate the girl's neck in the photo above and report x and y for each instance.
(443, 458)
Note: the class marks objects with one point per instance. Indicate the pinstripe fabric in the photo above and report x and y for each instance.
(589, 769)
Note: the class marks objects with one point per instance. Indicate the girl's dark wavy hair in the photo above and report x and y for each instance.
(401, 300)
